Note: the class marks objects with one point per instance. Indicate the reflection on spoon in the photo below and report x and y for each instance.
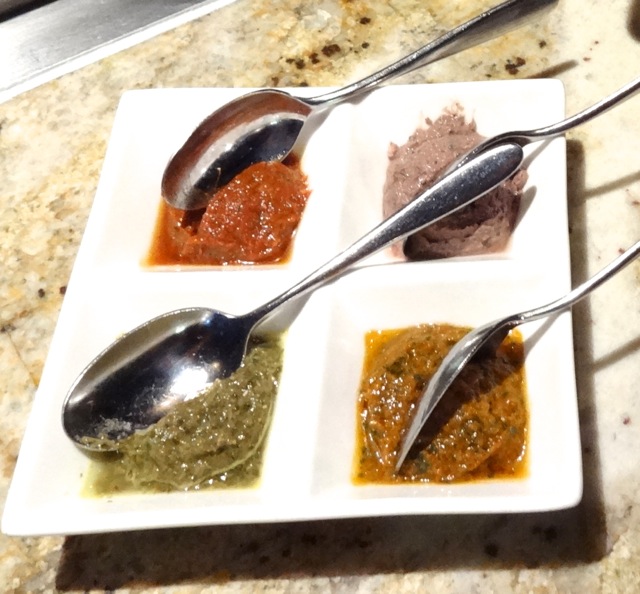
(264, 125)
(492, 334)
(135, 381)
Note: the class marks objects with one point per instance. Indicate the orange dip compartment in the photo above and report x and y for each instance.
(477, 431)
(251, 220)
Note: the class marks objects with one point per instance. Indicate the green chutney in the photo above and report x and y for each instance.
(214, 440)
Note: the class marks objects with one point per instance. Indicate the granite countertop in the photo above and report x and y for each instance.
(52, 144)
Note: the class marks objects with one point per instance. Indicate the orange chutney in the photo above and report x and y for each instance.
(251, 220)
(477, 431)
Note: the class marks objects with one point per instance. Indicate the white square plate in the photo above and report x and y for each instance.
(313, 429)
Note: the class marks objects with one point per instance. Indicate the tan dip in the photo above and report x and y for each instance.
(484, 226)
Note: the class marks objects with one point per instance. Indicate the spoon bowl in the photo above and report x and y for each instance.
(163, 362)
(487, 337)
(265, 125)
(256, 127)
(173, 357)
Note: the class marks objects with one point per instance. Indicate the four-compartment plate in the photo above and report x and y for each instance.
(309, 454)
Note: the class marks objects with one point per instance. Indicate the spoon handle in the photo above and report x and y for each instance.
(496, 331)
(524, 137)
(452, 192)
(488, 25)
(584, 289)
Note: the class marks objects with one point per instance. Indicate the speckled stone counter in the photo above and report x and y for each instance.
(52, 143)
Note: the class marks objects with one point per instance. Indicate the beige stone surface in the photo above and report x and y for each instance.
(52, 143)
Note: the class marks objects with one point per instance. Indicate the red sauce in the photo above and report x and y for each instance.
(251, 220)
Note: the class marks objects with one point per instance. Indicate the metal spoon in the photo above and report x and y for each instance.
(264, 125)
(491, 335)
(524, 137)
(141, 376)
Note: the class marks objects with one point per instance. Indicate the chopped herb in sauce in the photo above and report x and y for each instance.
(479, 429)
(214, 440)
